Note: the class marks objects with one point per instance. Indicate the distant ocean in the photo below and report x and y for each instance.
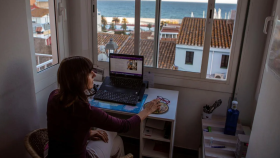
(169, 10)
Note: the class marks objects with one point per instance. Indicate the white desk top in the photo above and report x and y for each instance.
(152, 94)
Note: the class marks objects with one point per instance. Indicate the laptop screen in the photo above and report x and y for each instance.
(126, 65)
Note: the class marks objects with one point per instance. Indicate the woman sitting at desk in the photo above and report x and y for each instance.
(70, 116)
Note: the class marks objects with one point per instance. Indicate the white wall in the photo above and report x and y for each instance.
(78, 26)
(18, 113)
(190, 103)
(99, 27)
(42, 100)
(265, 136)
(216, 62)
(252, 54)
(180, 59)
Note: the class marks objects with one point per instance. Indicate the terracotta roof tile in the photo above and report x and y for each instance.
(144, 34)
(168, 39)
(192, 32)
(103, 39)
(170, 29)
(166, 52)
(38, 12)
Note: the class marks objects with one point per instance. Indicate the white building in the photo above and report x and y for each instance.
(99, 24)
(170, 31)
(189, 47)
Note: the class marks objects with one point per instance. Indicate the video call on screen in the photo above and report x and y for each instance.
(126, 66)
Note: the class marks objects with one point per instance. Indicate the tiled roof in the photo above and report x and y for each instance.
(38, 12)
(168, 39)
(170, 29)
(104, 38)
(166, 52)
(144, 34)
(192, 32)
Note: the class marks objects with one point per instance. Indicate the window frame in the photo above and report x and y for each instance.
(190, 55)
(48, 76)
(183, 78)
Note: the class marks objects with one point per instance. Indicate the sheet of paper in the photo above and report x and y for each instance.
(149, 76)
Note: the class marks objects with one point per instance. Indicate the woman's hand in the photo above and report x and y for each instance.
(150, 108)
(153, 106)
(98, 135)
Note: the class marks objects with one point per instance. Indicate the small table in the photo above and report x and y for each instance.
(147, 143)
(217, 124)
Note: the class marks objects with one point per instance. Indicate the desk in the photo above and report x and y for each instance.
(147, 142)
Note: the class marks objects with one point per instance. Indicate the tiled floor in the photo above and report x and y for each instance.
(132, 146)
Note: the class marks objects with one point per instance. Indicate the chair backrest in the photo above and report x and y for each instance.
(35, 142)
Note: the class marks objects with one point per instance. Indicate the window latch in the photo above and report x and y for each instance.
(267, 19)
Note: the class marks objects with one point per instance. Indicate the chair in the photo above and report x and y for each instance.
(35, 142)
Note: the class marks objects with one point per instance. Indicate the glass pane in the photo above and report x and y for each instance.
(115, 22)
(44, 33)
(182, 30)
(147, 28)
(222, 34)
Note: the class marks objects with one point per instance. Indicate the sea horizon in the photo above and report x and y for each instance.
(172, 1)
(169, 9)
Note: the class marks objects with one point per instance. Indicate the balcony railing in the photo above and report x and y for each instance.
(44, 64)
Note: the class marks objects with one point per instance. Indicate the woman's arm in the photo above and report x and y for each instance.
(100, 119)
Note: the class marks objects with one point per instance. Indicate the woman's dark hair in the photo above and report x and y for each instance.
(72, 78)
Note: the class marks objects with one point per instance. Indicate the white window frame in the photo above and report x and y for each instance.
(58, 23)
(183, 78)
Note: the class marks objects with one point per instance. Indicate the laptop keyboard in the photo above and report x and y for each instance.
(123, 98)
(126, 83)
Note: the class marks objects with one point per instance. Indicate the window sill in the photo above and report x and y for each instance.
(182, 79)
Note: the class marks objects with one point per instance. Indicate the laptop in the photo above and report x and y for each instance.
(125, 82)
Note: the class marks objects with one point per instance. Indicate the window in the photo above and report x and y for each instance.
(44, 33)
(189, 57)
(115, 23)
(224, 61)
(166, 33)
(221, 40)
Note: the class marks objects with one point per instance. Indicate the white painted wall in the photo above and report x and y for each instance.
(215, 63)
(265, 136)
(180, 58)
(99, 27)
(168, 35)
(41, 20)
(252, 55)
(190, 103)
(78, 13)
(18, 112)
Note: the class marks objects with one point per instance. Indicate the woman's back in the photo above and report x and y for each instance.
(68, 128)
